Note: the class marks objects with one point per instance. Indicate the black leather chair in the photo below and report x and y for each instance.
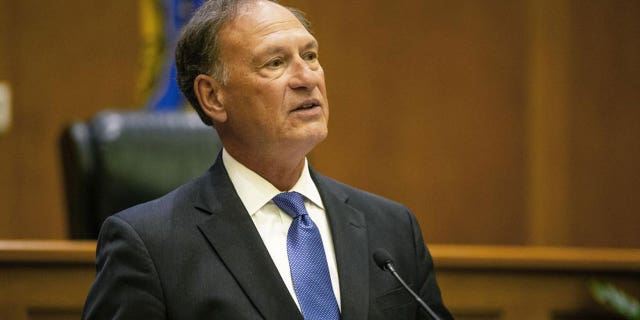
(122, 158)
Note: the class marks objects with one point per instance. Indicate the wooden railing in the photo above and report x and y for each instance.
(49, 279)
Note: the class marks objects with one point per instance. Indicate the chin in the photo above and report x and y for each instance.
(319, 134)
(311, 138)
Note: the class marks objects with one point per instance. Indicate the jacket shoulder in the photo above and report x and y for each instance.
(357, 197)
(169, 210)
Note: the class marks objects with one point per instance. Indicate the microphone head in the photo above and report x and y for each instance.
(382, 258)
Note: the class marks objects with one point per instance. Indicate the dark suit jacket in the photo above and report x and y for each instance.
(196, 254)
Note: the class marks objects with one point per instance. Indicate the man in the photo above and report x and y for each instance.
(260, 235)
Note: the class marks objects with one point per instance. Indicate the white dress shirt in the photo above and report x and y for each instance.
(272, 223)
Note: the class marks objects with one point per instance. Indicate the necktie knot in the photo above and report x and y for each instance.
(291, 202)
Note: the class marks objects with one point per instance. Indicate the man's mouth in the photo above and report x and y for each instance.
(307, 105)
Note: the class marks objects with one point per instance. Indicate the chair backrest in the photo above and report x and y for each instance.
(122, 158)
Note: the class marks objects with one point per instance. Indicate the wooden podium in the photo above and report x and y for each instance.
(49, 280)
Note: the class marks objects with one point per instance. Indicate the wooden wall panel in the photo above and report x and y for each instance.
(4, 41)
(584, 116)
(547, 119)
(605, 126)
(50, 280)
(6, 162)
(66, 62)
(426, 108)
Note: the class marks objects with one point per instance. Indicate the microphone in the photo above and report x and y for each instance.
(384, 261)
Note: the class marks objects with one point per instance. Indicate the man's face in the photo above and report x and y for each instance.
(275, 96)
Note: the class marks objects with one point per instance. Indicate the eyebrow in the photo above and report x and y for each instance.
(312, 44)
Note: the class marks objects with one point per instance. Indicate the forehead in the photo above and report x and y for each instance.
(256, 21)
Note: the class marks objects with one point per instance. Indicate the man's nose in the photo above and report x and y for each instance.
(303, 76)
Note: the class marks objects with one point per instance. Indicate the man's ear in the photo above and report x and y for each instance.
(209, 94)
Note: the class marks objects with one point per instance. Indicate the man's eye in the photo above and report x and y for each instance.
(275, 63)
(311, 56)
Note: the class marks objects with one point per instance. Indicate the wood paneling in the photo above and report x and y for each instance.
(6, 161)
(496, 122)
(585, 115)
(50, 279)
(548, 119)
(605, 127)
(65, 62)
(426, 108)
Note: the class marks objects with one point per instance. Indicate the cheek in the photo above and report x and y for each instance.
(271, 98)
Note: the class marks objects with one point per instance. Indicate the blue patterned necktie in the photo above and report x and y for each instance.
(307, 261)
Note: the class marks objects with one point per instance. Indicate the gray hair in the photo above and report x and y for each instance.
(198, 48)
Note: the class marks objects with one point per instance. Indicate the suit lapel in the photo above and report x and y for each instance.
(350, 242)
(234, 237)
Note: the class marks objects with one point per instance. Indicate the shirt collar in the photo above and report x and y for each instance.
(254, 191)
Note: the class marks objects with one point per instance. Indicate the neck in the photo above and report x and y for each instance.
(281, 171)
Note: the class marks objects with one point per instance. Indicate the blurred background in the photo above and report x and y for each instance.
(496, 122)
